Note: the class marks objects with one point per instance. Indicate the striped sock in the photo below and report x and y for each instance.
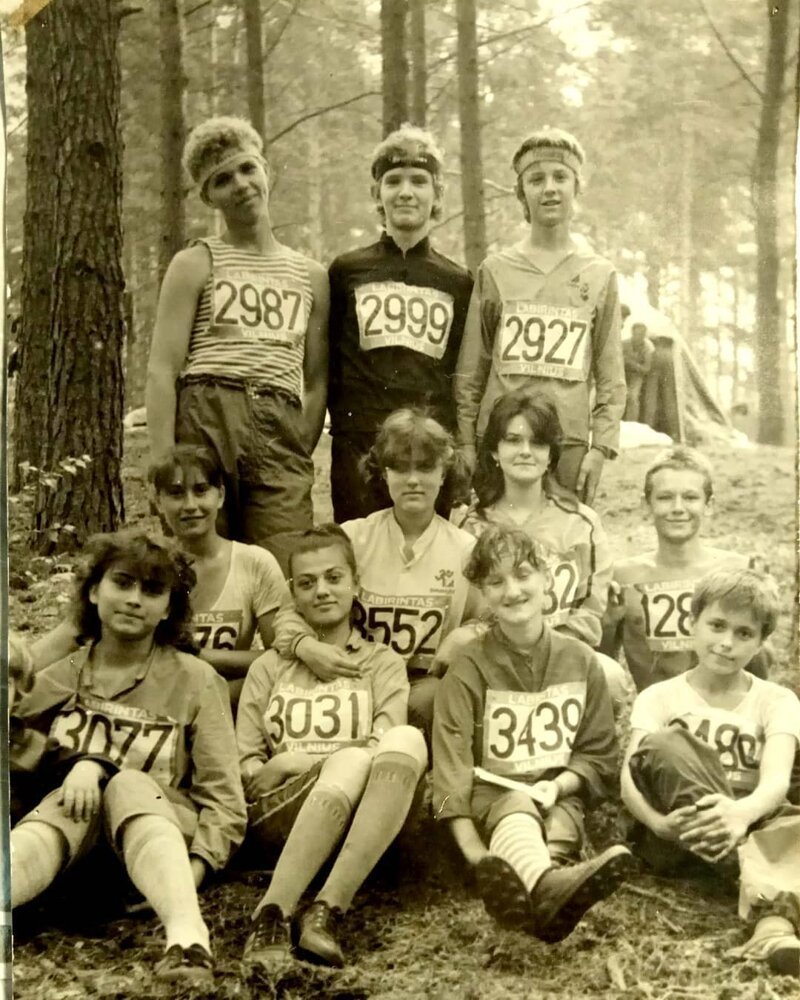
(518, 840)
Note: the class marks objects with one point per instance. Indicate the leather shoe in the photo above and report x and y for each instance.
(316, 937)
(563, 895)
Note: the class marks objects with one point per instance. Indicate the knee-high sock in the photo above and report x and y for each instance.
(518, 839)
(37, 854)
(378, 819)
(158, 864)
(316, 832)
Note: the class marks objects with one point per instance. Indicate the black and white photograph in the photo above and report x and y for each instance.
(399, 583)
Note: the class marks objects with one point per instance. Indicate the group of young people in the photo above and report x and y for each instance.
(480, 639)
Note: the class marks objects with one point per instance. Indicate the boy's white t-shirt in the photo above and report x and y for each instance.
(738, 735)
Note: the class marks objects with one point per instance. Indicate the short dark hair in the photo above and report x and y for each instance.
(325, 536)
(739, 590)
(539, 410)
(148, 558)
(498, 544)
(186, 457)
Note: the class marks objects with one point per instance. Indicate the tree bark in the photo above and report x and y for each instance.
(419, 63)
(395, 64)
(173, 87)
(255, 64)
(70, 388)
(771, 353)
(469, 115)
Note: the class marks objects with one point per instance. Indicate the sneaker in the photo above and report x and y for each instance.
(563, 895)
(186, 965)
(316, 934)
(268, 944)
(503, 893)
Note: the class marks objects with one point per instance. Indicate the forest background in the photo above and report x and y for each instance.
(688, 112)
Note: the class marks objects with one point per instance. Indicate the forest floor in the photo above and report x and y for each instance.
(416, 930)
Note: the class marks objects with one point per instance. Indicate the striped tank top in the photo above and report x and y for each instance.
(251, 317)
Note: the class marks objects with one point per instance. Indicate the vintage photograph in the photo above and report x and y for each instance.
(400, 440)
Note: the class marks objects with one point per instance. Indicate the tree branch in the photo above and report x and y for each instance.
(724, 45)
(276, 41)
(317, 113)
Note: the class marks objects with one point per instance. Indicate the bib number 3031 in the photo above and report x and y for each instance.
(542, 341)
(392, 314)
(299, 719)
(531, 731)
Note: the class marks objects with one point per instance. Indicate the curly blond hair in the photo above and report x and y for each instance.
(214, 140)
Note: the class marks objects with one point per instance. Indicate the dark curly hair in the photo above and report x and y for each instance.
(497, 545)
(411, 434)
(147, 558)
(539, 411)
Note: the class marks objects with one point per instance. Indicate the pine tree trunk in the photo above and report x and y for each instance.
(395, 64)
(173, 86)
(469, 115)
(419, 63)
(771, 353)
(70, 386)
(255, 64)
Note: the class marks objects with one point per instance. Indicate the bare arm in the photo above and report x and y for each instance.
(177, 305)
(315, 362)
(55, 645)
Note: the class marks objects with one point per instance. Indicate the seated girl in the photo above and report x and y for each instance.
(239, 587)
(515, 487)
(410, 560)
(146, 747)
(323, 760)
(523, 743)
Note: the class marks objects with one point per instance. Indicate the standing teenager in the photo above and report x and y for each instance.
(239, 357)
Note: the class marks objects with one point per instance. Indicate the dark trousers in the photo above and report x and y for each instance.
(673, 769)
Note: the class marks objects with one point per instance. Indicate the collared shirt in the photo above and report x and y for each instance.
(285, 708)
(524, 715)
(558, 330)
(171, 720)
(410, 604)
(396, 324)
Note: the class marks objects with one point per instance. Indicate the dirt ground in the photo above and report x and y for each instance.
(416, 930)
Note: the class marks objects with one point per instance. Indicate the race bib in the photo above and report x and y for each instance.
(666, 610)
(527, 732)
(320, 720)
(391, 314)
(411, 626)
(562, 594)
(131, 737)
(216, 629)
(736, 740)
(546, 341)
(248, 305)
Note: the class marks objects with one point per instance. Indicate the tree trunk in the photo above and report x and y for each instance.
(686, 202)
(419, 64)
(469, 115)
(255, 64)
(173, 86)
(70, 386)
(395, 64)
(771, 353)
(653, 280)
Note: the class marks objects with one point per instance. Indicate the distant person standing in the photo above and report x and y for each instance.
(239, 356)
(659, 395)
(397, 315)
(637, 353)
(545, 313)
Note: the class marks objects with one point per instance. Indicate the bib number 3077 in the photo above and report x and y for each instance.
(535, 340)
